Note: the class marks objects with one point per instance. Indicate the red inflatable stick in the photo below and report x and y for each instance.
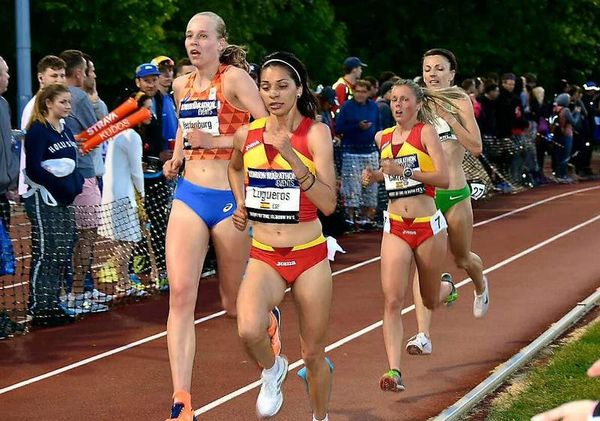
(133, 120)
(123, 110)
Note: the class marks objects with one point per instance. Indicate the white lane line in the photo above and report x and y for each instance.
(212, 316)
(478, 224)
(378, 324)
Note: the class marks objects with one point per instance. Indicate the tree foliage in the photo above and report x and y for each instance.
(553, 38)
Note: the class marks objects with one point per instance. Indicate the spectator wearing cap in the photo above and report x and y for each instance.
(386, 118)
(183, 67)
(344, 86)
(169, 112)
(357, 122)
(155, 152)
(87, 203)
(155, 145)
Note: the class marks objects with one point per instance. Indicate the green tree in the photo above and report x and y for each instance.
(553, 38)
(306, 28)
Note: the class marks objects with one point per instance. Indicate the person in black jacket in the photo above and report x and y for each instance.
(54, 182)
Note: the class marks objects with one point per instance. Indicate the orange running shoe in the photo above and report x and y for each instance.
(274, 330)
(182, 407)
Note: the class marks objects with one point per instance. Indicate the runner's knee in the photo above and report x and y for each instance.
(313, 356)
(251, 329)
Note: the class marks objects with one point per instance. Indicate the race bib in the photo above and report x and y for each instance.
(273, 196)
(201, 114)
(437, 222)
(444, 130)
(477, 190)
(400, 186)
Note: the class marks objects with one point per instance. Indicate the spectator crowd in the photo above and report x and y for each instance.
(98, 220)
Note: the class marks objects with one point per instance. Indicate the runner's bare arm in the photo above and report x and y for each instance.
(235, 174)
(467, 133)
(440, 176)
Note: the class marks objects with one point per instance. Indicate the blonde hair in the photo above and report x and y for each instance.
(538, 93)
(429, 99)
(40, 108)
(234, 55)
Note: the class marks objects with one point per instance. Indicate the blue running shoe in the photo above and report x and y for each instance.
(302, 372)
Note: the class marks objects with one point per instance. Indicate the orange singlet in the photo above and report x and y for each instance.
(210, 111)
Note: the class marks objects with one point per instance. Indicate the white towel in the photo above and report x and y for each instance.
(333, 247)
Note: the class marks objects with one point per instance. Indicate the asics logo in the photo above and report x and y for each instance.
(227, 207)
(409, 232)
(288, 263)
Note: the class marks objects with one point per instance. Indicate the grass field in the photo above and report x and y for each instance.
(558, 378)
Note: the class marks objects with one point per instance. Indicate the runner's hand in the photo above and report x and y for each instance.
(390, 167)
(368, 176)
(171, 167)
(571, 411)
(240, 218)
(280, 140)
(200, 139)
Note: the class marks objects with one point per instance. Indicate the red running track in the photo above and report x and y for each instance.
(541, 261)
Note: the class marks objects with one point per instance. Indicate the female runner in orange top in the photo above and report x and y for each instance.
(213, 102)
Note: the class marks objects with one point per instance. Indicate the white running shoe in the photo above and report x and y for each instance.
(481, 303)
(270, 397)
(419, 344)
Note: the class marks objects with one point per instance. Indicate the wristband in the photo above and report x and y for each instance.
(314, 180)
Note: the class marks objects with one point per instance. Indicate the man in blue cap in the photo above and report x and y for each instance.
(345, 85)
(155, 153)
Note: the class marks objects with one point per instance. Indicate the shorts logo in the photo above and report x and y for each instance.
(288, 263)
(409, 232)
(455, 197)
(227, 207)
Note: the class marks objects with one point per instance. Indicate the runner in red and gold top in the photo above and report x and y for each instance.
(412, 166)
(213, 102)
(281, 172)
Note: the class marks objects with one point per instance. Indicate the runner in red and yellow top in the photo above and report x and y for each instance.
(412, 165)
(281, 172)
(213, 101)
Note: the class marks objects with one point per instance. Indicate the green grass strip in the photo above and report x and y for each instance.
(560, 379)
